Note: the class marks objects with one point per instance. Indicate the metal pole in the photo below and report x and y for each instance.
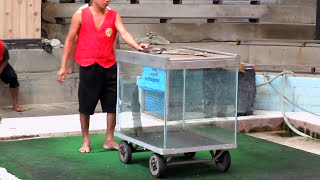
(184, 100)
(318, 21)
(166, 111)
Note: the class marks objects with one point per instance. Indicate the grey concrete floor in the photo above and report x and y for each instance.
(35, 110)
(57, 113)
(290, 139)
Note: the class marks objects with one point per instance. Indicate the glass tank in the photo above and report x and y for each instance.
(177, 101)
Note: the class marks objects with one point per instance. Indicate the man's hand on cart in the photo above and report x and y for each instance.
(143, 47)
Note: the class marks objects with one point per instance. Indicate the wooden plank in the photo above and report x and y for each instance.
(20, 19)
(2, 12)
(8, 20)
(16, 18)
(37, 19)
(23, 19)
(29, 15)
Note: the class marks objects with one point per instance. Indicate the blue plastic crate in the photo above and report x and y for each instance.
(154, 102)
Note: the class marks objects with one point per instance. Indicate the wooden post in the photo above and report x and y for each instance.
(318, 21)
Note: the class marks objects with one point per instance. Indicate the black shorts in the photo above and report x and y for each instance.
(97, 83)
(6, 55)
(8, 74)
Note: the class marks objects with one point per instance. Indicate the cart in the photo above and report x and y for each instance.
(177, 101)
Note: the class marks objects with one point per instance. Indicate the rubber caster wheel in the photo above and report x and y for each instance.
(223, 163)
(189, 155)
(125, 152)
(157, 165)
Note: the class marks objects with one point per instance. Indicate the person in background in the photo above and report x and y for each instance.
(9, 76)
(96, 28)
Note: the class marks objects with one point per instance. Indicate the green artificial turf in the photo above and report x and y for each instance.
(58, 158)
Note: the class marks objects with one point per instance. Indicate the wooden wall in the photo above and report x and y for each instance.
(20, 19)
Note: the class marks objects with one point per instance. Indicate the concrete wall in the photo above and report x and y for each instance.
(41, 85)
(41, 88)
(35, 60)
(38, 60)
(303, 91)
(186, 32)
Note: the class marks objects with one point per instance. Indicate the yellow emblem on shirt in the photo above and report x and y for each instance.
(109, 32)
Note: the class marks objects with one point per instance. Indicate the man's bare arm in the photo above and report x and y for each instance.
(127, 37)
(69, 43)
(116, 44)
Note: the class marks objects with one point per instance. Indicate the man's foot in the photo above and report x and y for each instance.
(85, 148)
(138, 131)
(17, 108)
(110, 145)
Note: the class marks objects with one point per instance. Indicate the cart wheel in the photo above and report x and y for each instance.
(125, 152)
(157, 165)
(189, 155)
(224, 161)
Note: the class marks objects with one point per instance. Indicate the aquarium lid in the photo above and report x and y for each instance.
(183, 58)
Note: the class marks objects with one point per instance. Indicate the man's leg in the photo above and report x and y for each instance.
(84, 120)
(14, 94)
(109, 142)
(10, 77)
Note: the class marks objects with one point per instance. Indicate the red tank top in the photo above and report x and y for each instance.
(1, 50)
(96, 46)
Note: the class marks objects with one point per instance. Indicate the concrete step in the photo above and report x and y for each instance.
(51, 109)
(35, 60)
(290, 2)
(185, 32)
(277, 55)
(34, 123)
(280, 2)
(42, 88)
(284, 14)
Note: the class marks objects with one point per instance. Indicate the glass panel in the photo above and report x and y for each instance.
(202, 107)
(141, 106)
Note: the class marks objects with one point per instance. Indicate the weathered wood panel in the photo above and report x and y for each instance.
(8, 23)
(2, 12)
(37, 18)
(20, 19)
